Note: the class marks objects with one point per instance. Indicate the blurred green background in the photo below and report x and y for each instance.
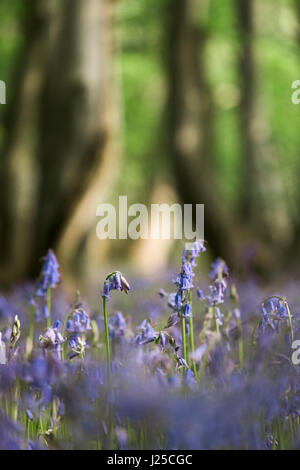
(160, 100)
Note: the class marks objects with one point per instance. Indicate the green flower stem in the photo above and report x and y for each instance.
(290, 319)
(216, 320)
(106, 334)
(183, 335)
(48, 302)
(191, 336)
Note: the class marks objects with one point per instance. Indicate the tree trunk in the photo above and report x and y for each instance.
(263, 204)
(18, 171)
(62, 131)
(191, 126)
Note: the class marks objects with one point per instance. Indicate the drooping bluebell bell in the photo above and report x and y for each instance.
(29, 415)
(45, 311)
(106, 290)
(200, 294)
(178, 301)
(50, 276)
(187, 311)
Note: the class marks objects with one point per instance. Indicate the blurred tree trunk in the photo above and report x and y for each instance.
(191, 125)
(263, 204)
(70, 109)
(18, 171)
(247, 108)
(77, 125)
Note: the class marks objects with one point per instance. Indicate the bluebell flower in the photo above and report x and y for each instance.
(219, 315)
(218, 289)
(115, 281)
(116, 326)
(219, 269)
(29, 415)
(178, 301)
(77, 347)
(45, 311)
(187, 311)
(50, 275)
(147, 334)
(106, 290)
(118, 284)
(52, 339)
(200, 294)
(79, 323)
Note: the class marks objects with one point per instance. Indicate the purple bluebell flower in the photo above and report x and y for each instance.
(79, 323)
(115, 281)
(116, 326)
(219, 269)
(147, 334)
(45, 311)
(118, 284)
(77, 346)
(52, 339)
(200, 294)
(218, 289)
(29, 415)
(106, 290)
(186, 311)
(178, 301)
(50, 275)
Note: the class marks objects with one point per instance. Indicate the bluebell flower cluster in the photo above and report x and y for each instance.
(115, 281)
(273, 316)
(77, 346)
(147, 333)
(76, 328)
(218, 287)
(79, 323)
(52, 339)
